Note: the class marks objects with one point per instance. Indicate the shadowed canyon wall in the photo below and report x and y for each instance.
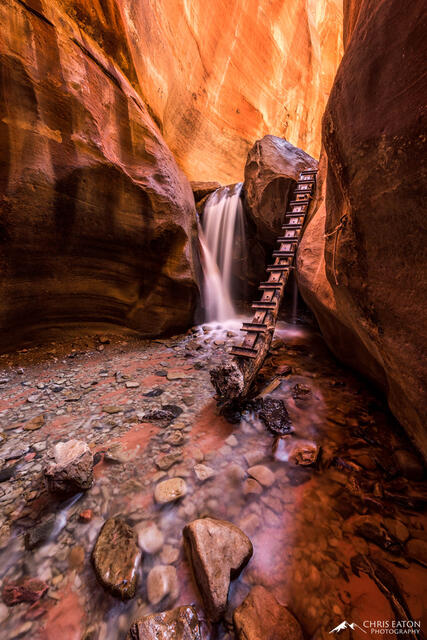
(97, 220)
(367, 280)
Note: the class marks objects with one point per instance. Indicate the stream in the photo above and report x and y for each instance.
(310, 527)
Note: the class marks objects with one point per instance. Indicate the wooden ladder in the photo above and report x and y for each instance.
(260, 331)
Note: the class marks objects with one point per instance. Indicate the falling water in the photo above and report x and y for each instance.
(222, 240)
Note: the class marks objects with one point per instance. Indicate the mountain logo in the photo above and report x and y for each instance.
(346, 625)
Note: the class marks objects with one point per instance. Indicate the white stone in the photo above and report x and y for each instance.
(66, 452)
(150, 538)
(162, 581)
(203, 472)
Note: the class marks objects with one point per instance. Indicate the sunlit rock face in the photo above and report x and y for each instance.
(216, 76)
(97, 220)
(366, 281)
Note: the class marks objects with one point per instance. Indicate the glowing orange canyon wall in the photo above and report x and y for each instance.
(216, 76)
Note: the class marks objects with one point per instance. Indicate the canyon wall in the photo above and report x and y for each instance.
(367, 279)
(216, 76)
(97, 221)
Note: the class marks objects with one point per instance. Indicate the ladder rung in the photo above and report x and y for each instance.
(300, 203)
(288, 239)
(264, 305)
(279, 267)
(254, 327)
(305, 182)
(307, 171)
(283, 254)
(265, 286)
(291, 226)
(244, 352)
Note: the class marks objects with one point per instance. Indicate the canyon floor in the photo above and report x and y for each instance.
(344, 538)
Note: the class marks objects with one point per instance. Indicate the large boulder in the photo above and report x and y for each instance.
(272, 169)
(97, 220)
(366, 280)
(217, 551)
(261, 616)
(181, 623)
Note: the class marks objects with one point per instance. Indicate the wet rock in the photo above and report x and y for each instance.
(261, 616)
(410, 466)
(86, 515)
(7, 473)
(150, 538)
(203, 472)
(397, 529)
(76, 557)
(73, 468)
(373, 530)
(111, 409)
(174, 409)
(262, 474)
(170, 490)
(28, 590)
(116, 557)
(217, 551)
(39, 533)
(175, 438)
(253, 456)
(300, 391)
(162, 581)
(177, 624)
(227, 379)
(251, 486)
(166, 461)
(163, 416)
(417, 550)
(274, 415)
(231, 441)
(4, 612)
(154, 393)
(35, 423)
(250, 523)
(116, 454)
(296, 451)
(169, 554)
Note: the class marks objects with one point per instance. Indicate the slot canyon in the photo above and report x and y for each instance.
(213, 327)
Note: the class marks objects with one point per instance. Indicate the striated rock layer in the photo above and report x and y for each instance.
(218, 75)
(366, 281)
(97, 220)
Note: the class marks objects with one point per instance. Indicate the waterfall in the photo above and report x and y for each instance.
(222, 241)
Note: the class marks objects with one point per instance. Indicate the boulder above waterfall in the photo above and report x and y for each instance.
(203, 189)
(272, 168)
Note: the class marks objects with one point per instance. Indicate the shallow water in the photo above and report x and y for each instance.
(302, 526)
